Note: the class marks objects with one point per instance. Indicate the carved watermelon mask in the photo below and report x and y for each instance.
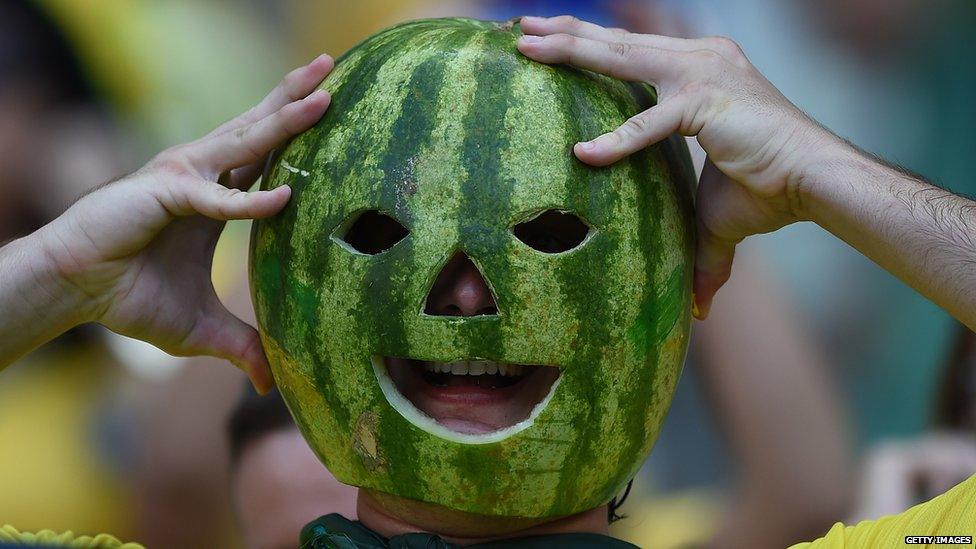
(445, 155)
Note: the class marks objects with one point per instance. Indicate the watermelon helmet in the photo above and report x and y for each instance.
(451, 147)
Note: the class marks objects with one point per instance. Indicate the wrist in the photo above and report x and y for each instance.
(56, 273)
(37, 305)
(824, 178)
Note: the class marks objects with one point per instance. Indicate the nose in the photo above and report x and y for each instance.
(460, 290)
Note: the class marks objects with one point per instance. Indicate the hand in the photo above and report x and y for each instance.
(139, 250)
(898, 475)
(761, 148)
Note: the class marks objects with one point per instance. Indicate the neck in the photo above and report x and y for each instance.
(391, 516)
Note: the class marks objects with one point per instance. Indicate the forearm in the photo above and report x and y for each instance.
(36, 305)
(922, 234)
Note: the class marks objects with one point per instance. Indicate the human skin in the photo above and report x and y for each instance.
(279, 486)
(769, 487)
(900, 474)
(136, 254)
(768, 165)
(110, 258)
(463, 292)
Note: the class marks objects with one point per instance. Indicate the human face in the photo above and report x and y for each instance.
(471, 397)
(280, 486)
(461, 147)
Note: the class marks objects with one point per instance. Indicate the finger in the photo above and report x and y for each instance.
(243, 178)
(713, 254)
(621, 60)
(216, 201)
(248, 144)
(567, 24)
(223, 335)
(640, 131)
(713, 267)
(296, 85)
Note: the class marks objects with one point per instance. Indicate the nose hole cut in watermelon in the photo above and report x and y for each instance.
(460, 290)
(369, 232)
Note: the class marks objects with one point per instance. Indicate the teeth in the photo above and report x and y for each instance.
(475, 368)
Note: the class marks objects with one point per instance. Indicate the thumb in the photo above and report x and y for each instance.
(713, 266)
(713, 254)
(223, 335)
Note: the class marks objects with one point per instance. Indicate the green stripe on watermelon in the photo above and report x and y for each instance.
(410, 108)
(486, 192)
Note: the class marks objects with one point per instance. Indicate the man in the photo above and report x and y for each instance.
(143, 268)
(277, 482)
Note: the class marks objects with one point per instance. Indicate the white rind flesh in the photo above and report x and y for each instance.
(412, 414)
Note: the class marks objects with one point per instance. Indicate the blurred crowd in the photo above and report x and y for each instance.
(820, 388)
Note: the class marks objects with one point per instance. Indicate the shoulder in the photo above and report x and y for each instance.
(951, 514)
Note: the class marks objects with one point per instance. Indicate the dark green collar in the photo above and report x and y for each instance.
(337, 532)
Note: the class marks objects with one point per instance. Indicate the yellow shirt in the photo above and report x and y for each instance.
(950, 514)
(48, 538)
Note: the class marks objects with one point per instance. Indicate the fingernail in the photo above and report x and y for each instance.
(587, 145)
(532, 18)
(531, 39)
(262, 389)
(695, 311)
(260, 382)
(319, 93)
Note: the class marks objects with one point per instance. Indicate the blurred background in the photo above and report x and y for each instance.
(820, 389)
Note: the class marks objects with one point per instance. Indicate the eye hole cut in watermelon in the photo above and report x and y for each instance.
(369, 232)
(553, 231)
(467, 401)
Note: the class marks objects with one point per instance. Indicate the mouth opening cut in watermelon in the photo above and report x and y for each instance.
(467, 401)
